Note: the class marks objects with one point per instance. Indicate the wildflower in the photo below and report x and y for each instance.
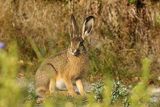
(1, 45)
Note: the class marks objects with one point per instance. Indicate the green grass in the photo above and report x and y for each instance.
(105, 93)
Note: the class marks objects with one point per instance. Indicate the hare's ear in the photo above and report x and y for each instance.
(74, 27)
(87, 26)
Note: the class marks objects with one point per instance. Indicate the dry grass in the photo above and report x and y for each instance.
(128, 32)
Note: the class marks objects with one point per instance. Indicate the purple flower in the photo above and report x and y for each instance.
(1, 45)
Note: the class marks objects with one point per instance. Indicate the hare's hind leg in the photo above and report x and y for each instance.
(41, 94)
(45, 82)
(52, 81)
(52, 86)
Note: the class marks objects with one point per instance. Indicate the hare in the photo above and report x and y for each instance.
(68, 66)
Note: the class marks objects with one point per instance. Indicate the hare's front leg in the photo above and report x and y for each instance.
(80, 87)
(70, 87)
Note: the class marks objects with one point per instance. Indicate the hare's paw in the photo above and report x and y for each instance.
(40, 100)
(71, 94)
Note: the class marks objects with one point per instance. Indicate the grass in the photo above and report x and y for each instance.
(105, 93)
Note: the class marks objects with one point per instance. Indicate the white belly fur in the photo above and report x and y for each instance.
(60, 85)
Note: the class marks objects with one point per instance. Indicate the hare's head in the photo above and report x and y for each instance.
(77, 38)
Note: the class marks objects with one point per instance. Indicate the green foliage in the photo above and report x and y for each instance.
(10, 92)
(107, 93)
(120, 91)
(98, 89)
(35, 48)
(102, 61)
(158, 20)
(116, 91)
(139, 96)
(132, 1)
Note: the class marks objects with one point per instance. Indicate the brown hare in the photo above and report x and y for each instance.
(68, 66)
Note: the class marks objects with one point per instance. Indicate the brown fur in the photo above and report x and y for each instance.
(68, 66)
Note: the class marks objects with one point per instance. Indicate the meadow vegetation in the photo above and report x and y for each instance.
(124, 49)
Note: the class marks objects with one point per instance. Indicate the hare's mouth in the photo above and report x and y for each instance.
(76, 53)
